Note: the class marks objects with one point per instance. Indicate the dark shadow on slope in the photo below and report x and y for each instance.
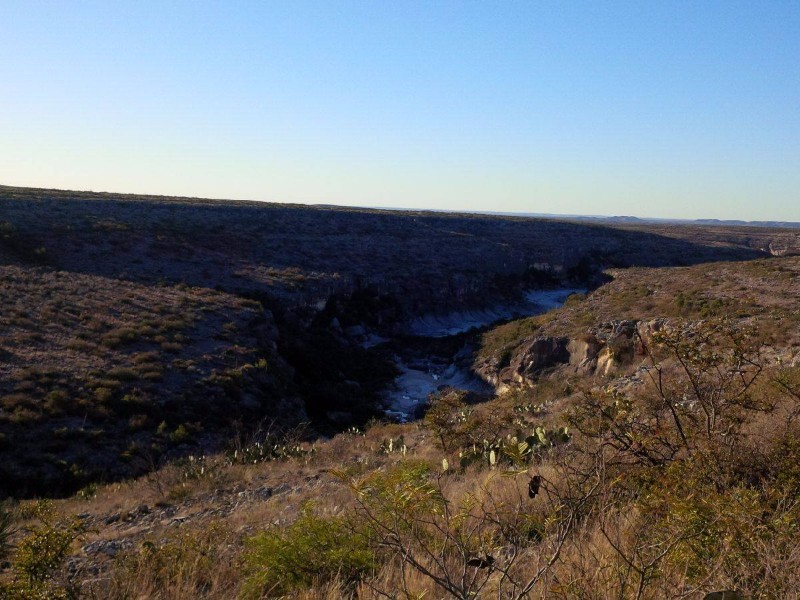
(301, 255)
(320, 271)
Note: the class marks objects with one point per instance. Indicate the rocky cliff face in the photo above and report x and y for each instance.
(602, 350)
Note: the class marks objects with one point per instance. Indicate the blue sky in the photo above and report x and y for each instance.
(660, 109)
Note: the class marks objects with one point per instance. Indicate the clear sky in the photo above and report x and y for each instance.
(668, 109)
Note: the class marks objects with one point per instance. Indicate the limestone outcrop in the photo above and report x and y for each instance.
(603, 350)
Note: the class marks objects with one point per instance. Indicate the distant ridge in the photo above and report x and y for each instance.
(618, 219)
(601, 219)
(711, 222)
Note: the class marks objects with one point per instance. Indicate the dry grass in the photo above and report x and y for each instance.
(117, 362)
(90, 367)
(191, 547)
(759, 294)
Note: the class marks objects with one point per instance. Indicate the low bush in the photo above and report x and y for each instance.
(312, 550)
(39, 557)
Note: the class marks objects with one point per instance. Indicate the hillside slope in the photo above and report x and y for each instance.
(301, 255)
(99, 377)
(599, 333)
(128, 317)
(676, 474)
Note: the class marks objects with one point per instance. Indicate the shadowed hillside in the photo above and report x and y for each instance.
(136, 329)
(656, 459)
(427, 261)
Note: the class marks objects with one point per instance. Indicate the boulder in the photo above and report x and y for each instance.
(583, 353)
(602, 350)
(108, 547)
(539, 354)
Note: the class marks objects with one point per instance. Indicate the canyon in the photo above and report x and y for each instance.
(185, 380)
(110, 338)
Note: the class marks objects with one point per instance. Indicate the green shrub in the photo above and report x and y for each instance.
(152, 373)
(103, 394)
(87, 492)
(449, 417)
(40, 557)
(311, 550)
(180, 435)
(119, 337)
(56, 402)
(143, 358)
(137, 422)
(18, 400)
(171, 347)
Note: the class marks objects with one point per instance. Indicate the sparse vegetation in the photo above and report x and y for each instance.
(62, 378)
(312, 550)
(656, 457)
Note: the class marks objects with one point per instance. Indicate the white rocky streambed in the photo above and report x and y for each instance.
(535, 302)
(421, 376)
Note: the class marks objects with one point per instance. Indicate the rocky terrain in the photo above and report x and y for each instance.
(127, 319)
(109, 306)
(602, 333)
(200, 388)
(301, 255)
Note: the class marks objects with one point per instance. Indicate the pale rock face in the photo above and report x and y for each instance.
(606, 347)
(544, 352)
(645, 331)
(539, 354)
(606, 363)
(602, 350)
(777, 249)
(583, 353)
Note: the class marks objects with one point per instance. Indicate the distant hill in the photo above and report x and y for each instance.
(137, 329)
(654, 220)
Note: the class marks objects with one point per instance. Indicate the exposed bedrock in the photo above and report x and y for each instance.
(602, 350)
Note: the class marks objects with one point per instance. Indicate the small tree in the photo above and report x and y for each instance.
(40, 555)
(481, 541)
(701, 377)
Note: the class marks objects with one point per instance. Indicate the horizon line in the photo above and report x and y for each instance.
(619, 219)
